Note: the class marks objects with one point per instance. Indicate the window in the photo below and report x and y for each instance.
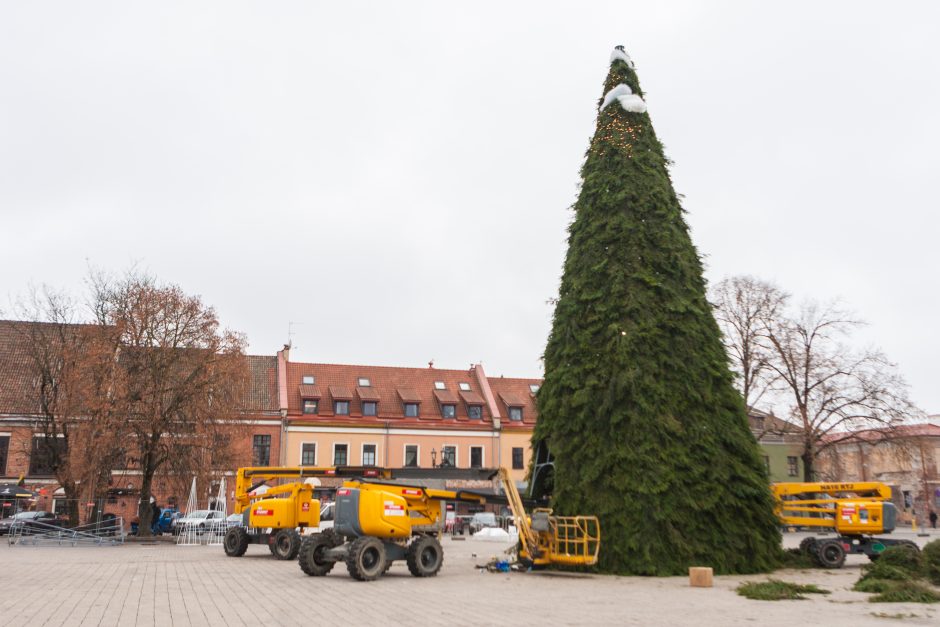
(369, 408)
(4, 449)
(341, 408)
(767, 464)
(308, 379)
(449, 456)
(439, 385)
(515, 414)
(411, 410)
(311, 406)
(534, 387)
(793, 466)
(475, 411)
(368, 454)
(517, 460)
(44, 454)
(308, 454)
(476, 456)
(340, 454)
(60, 507)
(758, 423)
(464, 386)
(261, 450)
(449, 411)
(364, 382)
(411, 455)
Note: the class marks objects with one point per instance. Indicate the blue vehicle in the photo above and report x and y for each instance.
(167, 516)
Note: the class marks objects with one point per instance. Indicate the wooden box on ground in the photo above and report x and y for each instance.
(700, 577)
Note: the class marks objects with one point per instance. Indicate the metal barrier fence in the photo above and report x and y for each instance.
(107, 532)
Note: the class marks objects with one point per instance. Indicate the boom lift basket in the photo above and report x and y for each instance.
(575, 540)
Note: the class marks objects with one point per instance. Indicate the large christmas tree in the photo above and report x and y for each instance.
(638, 404)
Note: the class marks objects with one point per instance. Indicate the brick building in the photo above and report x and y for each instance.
(258, 431)
(906, 458)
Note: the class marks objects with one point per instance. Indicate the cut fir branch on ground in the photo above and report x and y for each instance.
(777, 590)
(898, 576)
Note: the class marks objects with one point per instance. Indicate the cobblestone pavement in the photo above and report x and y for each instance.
(164, 584)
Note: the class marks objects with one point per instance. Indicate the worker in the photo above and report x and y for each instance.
(933, 519)
(154, 515)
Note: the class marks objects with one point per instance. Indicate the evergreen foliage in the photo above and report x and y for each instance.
(638, 405)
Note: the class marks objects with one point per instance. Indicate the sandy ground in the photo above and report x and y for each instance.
(169, 585)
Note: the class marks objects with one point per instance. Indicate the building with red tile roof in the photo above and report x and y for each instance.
(398, 416)
(906, 457)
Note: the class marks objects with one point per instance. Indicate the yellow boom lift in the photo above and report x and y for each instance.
(378, 522)
(854, 511)
(274, 517)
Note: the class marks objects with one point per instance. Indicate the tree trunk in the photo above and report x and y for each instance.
(144, 510)
(809, 461)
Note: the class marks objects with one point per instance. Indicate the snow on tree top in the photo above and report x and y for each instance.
(628, 100)
(620, 53)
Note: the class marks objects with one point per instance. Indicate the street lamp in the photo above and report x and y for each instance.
(433, 458)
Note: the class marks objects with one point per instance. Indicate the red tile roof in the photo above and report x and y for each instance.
(515, 393)
(445, 397)
(339, 393)
(17, 389)
(389, 386)
(309, 391)
(367, 394)
(472, 398)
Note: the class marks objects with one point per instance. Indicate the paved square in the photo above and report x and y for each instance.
(164, 584)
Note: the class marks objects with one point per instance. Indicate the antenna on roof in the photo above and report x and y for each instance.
(290, 333)
(431, 363)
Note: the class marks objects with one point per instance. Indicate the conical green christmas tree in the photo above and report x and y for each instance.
(638, 405)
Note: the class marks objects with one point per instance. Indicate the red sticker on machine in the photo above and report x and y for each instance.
(264, 512)
(393, 509)
(305, 507)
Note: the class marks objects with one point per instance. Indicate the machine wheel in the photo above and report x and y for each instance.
(366, 559)
(286, 544)
(425, 556)
(311, 553)
(235, 542)
(808, 546)
(830, 554)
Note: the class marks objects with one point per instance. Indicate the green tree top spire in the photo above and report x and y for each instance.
(638, 405)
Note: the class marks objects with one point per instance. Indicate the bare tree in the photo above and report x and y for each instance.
(829, 389)
(183, 375)
(71, 367)
(744, 306)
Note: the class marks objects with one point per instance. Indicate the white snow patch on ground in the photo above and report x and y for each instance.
(492, 534)
(627, 99)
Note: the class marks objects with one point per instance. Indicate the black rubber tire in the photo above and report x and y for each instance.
(235, 542)
(830, 554)
(808, 546)
(366, 559)
(424, 556)
(311, 551)
(286, 544)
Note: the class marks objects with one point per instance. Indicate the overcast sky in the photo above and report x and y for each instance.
(396, 180)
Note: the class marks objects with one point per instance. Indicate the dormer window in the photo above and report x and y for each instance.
(464, 386)
(411, 410)
(308, 379)
(475, 412)
(449, 411)
(439, 385)
(310, 405)
(534, 387)
(369, 408)
(364, 382)
(341, 408)
(515, 414)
